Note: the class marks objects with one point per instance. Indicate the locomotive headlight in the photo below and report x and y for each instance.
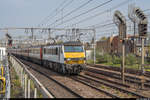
(68, 59)
(81, 58)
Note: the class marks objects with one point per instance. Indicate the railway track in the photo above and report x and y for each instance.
(110, 94)
(85, 82)
(116, 75)
(62, 84)
(127, 70)
(121, 87)
(115, 78)
(84, 79)
(57, 89)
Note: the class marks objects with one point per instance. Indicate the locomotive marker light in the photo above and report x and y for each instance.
(120, 21)
(142, 29)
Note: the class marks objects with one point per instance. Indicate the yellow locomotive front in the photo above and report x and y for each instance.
(74, 55)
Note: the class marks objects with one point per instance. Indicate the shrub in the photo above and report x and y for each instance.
(108, 58)
(105, 58)
(116, 60)
(130, 59)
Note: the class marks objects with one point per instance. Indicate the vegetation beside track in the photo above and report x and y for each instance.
(16, 89)
(131, 61)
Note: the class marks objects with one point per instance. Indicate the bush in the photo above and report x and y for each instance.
(100, 59)
(116, 60)
(90, 61)
(105, 58)
(130, 59)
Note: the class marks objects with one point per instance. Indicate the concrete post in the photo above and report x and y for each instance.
(23, 79)
(29, 88)
(142, 65)
(21, 76)
(94, 46)
(142, 55)
(35, 92)
(123, 60)
(25, 88)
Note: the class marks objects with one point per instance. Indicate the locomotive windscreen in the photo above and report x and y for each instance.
(73, 48)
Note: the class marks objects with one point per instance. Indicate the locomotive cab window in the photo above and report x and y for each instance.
(73, 48)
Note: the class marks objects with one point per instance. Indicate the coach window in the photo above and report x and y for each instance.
(61, 49)
(52, 51)
(32, 50)
(44, 51)
(48, 51)
(56, 51)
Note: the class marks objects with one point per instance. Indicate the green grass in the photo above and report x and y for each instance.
(16, 90)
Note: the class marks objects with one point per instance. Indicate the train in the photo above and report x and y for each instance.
(66, 58)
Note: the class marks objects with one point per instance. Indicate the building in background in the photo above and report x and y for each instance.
(113, 45)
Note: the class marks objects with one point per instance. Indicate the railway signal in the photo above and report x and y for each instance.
(120, 21)
(139, 13)
(142, 28)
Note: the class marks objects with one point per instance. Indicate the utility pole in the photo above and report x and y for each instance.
(123, 60)
(120, 21)
(142, 54)
(32, 34)
(94, 44)
(134, 44)
(132, 17)
(49, 33)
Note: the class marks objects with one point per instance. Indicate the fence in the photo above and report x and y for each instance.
(25, 78)
(5, 76)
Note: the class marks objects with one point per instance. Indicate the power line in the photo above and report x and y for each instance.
(146, 10)
(46, 18)
(98, 14)
(85, 12)
(67, 4)
(98, 23)
(109, 20)
(72, 11)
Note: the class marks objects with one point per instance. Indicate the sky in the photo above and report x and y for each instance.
(30, 13)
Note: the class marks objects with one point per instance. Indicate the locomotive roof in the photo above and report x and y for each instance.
(72, 43)
(77, 43)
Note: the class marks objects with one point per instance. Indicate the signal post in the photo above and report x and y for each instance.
(120, 21)
(142, 29)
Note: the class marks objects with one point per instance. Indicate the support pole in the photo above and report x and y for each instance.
(35, 92)
(94, 47)
(123, 60)
(23, 80)
(134, 40)
(49, 33)
(32, 34)
(21, 76)
(25, 88)
(142, 64)
(29, 88)
(142, 54)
